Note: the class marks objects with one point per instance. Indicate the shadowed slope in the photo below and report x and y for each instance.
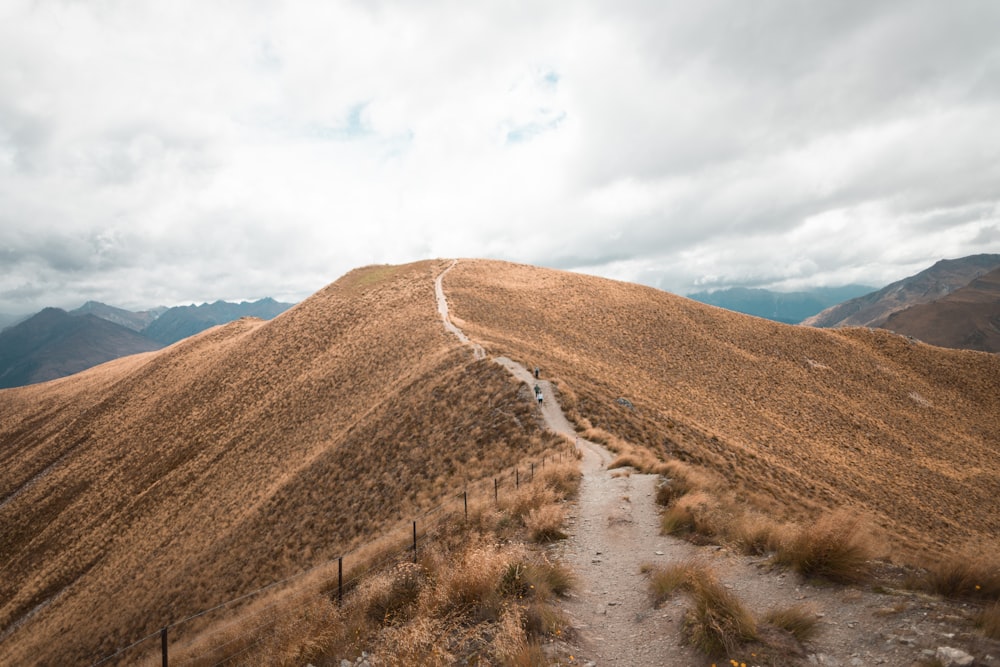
(799, 419)
(153, 487)
(932, 283)
(968, 318)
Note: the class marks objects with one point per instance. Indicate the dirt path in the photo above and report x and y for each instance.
(614, 529)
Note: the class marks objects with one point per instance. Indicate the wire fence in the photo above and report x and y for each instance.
(191, 639)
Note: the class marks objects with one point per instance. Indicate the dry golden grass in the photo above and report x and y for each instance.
(665, 580)
(717, 624)
(796, 420)
(988, 621)
(799, 620)
(470, 597)
(142, 491)
(837, 547)
(970, 574)
(153, 487)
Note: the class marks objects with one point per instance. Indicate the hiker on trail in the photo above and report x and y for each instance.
(538, 394)
(536, 372)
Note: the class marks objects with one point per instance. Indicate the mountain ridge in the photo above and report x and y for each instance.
(934, 282)
(785, 307)
(158, 485)
(968, 318)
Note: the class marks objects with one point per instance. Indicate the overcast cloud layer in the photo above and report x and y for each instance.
(174, 152)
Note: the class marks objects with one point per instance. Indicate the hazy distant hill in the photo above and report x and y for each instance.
(6, 320)
(938, 281)
(53, 344)
(968, 318)
(787, 307)
(160, 485)
(182, 321)
(136, 321)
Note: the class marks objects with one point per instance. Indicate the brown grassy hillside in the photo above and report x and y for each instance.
(967, 319)
(796, 419)
(155, 486)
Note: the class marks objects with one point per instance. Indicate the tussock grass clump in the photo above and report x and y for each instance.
(563, 478)
(965, 575)
(988, 621)
(756, 535)
(666, 580)
(837, 547)
(390, 597)
(718, 624)
(519, 503)
(671, 489)
(693, 513)
(800, 620)
(545, 524)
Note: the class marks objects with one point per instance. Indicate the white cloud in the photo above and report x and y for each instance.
(176, 152)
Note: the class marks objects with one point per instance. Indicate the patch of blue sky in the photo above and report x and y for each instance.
(353, 127)
(528, 131)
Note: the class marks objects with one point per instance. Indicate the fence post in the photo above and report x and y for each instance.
(465, 500)
(414, 541)
(532, 473)
(340, 581)
(517, 480)
(496, 491)
(163, 646)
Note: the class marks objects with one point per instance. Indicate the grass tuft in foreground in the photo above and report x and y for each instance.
(965, 575)
(988, 621)
(838, 547)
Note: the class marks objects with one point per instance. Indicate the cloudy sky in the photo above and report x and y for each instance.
(175, 152)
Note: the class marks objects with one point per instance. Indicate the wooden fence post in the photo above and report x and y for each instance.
(465, 501)
(414, 541)
(340, 581)
(163, 647)
(496, 491)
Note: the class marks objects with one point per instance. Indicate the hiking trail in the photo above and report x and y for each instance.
(614, 529)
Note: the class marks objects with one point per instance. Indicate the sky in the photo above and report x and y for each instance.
(164, 153)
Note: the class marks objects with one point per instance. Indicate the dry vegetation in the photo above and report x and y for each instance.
(718, 624)
(476, 594)
(156, 486)
(153, 487)
(786, 423)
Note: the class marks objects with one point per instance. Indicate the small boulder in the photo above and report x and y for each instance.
(953, 657)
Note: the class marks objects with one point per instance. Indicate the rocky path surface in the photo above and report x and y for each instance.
(614, 529)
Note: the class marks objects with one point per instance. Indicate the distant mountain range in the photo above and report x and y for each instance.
(968, 318)
(136, 321)
(787, 307)
(183, 321)
(940, 280)
(54, 343)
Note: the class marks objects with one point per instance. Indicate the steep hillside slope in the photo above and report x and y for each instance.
(798, 419)
(54, 344)
(968, 318)
(159, 485)
(933, 283)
